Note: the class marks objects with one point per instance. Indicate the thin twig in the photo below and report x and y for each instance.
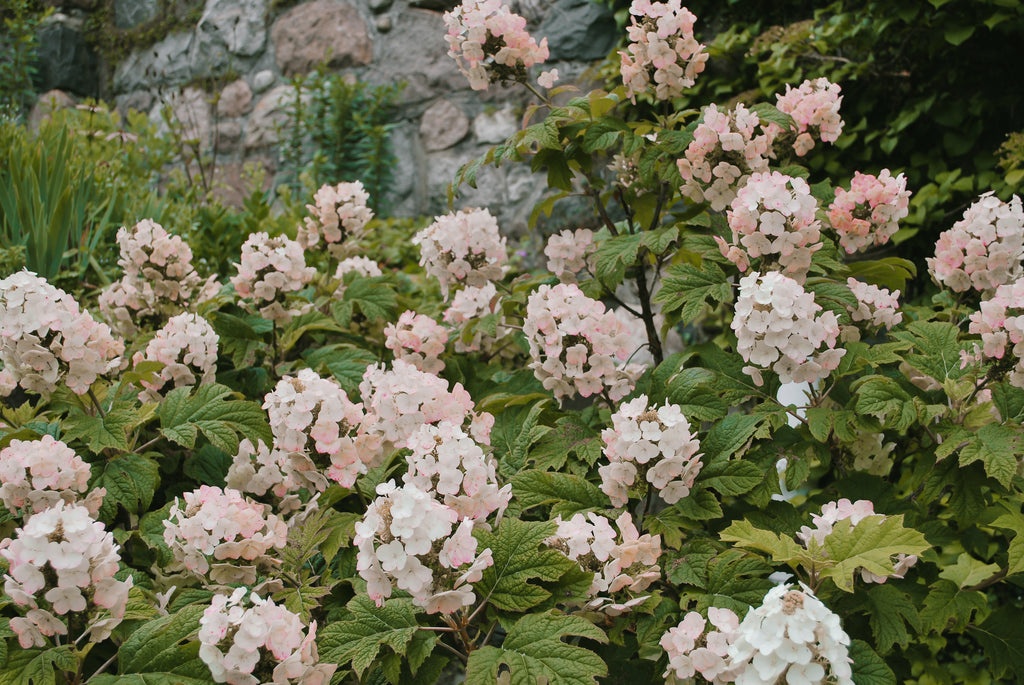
(96, 403)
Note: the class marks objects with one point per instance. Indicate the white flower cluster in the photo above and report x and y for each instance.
(778, 326)
(876, 307)
(187, 347)
(62, 561)
(271, 268)
(773, 219)
(340, 214)
(814, 107)
(577, 345)
(463, 248)
(984, 249)
(473, 303)
(236, 640)
(871, 453)
(726, 149)
(46, 338)
(221, 525)
(400, 400)
(417, 339)
(691, 651)
(448, 462)
(868, 213)
(662, 50)
(159, 279)
(410, 537)
(569, 252)
(39, 473)
(364, 266)
(660, 441)
(625, 567)
(1000, 323)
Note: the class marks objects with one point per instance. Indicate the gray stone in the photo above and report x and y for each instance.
(235, 25)
(320, 31)
(380, 6)
(495, 126)
(229, 136)
(131, 13)
(268, 114)
(190, 116)
(405, 194)
(415, 52)
(235, 100)
(48, 103)
(263, 80)
(578, 30)
(383, 24)
(63, 59)
(166, 63)
(443, 125)
(138, 100)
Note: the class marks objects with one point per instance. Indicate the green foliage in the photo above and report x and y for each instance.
(183, 415)
(18, 42)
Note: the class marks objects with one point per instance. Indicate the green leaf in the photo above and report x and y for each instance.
(870, 545)
(304, 323)
(183, 416)
(359, 641)
(101, 431)
(868, 667)
(997, 447)
(533, 652)
(731, 478)
(162, 678)
(1001, 635)
(208, 466)
(570, 493)
(957, 34)
(733, 581)
(699, 505)
(890, 612)
(689, 288)
(883, 398)
(936, 348)
(782, 549)
(968, 571)
(947, 607)
(373, 297)
(36, 666)
(520, 558)
(131, 481)
(165, 645)
(891, 272)
(346, 364)
(1015, 522)
(569, 436)
(729, 436)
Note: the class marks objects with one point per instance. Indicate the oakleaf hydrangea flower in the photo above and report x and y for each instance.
(876, 307)
(62, 561)
(727, 148)
(467, 305)
(187, 347)
(462, 248)
(984, 249)
(577, 345)
(623, 564)
(417, 339)
(271, 268)
(258, 469)
(45, 338)
(662, 50)
(569, 252)
(1000, 323)
(871, 453)
(779, 326)
(655, 443)
(773, 219)
(690, 650)
(364, 266)
(39, 473)
(410, 539)
(814, 107)
(238, 640)
(490, 43)
(869, 212)
(340, 214)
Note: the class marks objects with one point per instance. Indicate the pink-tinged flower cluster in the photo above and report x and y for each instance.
(222, 526)
(62, 561)
(779, 326)
(159, 279)
(691, 651)
(1000, 323)
(984, 249)
(876, 307)
(662, 50)
(793, 638)
(833, 512)
(462, 248)
(258, 469)
(39, 473)
(411, 541)
(871, 453)
(271, 268)
(869, 212)
(340, 214)
(625, 567)
(814, 107)
(467, 305)
(446, 461)
(187, 347)
(313, 414)
(773, 219)
(234, 640)
(400, 400)
(46, 338)
(417, 339)
(490, 43)
(653, 442)
(577, 345)
(727, 148)
(569, 252)
(364, 266)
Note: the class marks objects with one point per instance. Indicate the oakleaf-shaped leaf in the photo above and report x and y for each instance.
(731, 478)
(99, 432)
(783, 549)
(947, 607)
(519, 561)
(568, 436)
(359, 640)
(165, 645)
(533, 652)
(570, 493)
(1015, 522)
(891, 611)
(1001, 635)
(689, 288)
(870, 545)
(207, 410)
(36, 666)
(868, 667)
(131, 481)
(147, 679)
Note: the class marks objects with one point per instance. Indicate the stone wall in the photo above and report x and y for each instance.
(440, 124)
